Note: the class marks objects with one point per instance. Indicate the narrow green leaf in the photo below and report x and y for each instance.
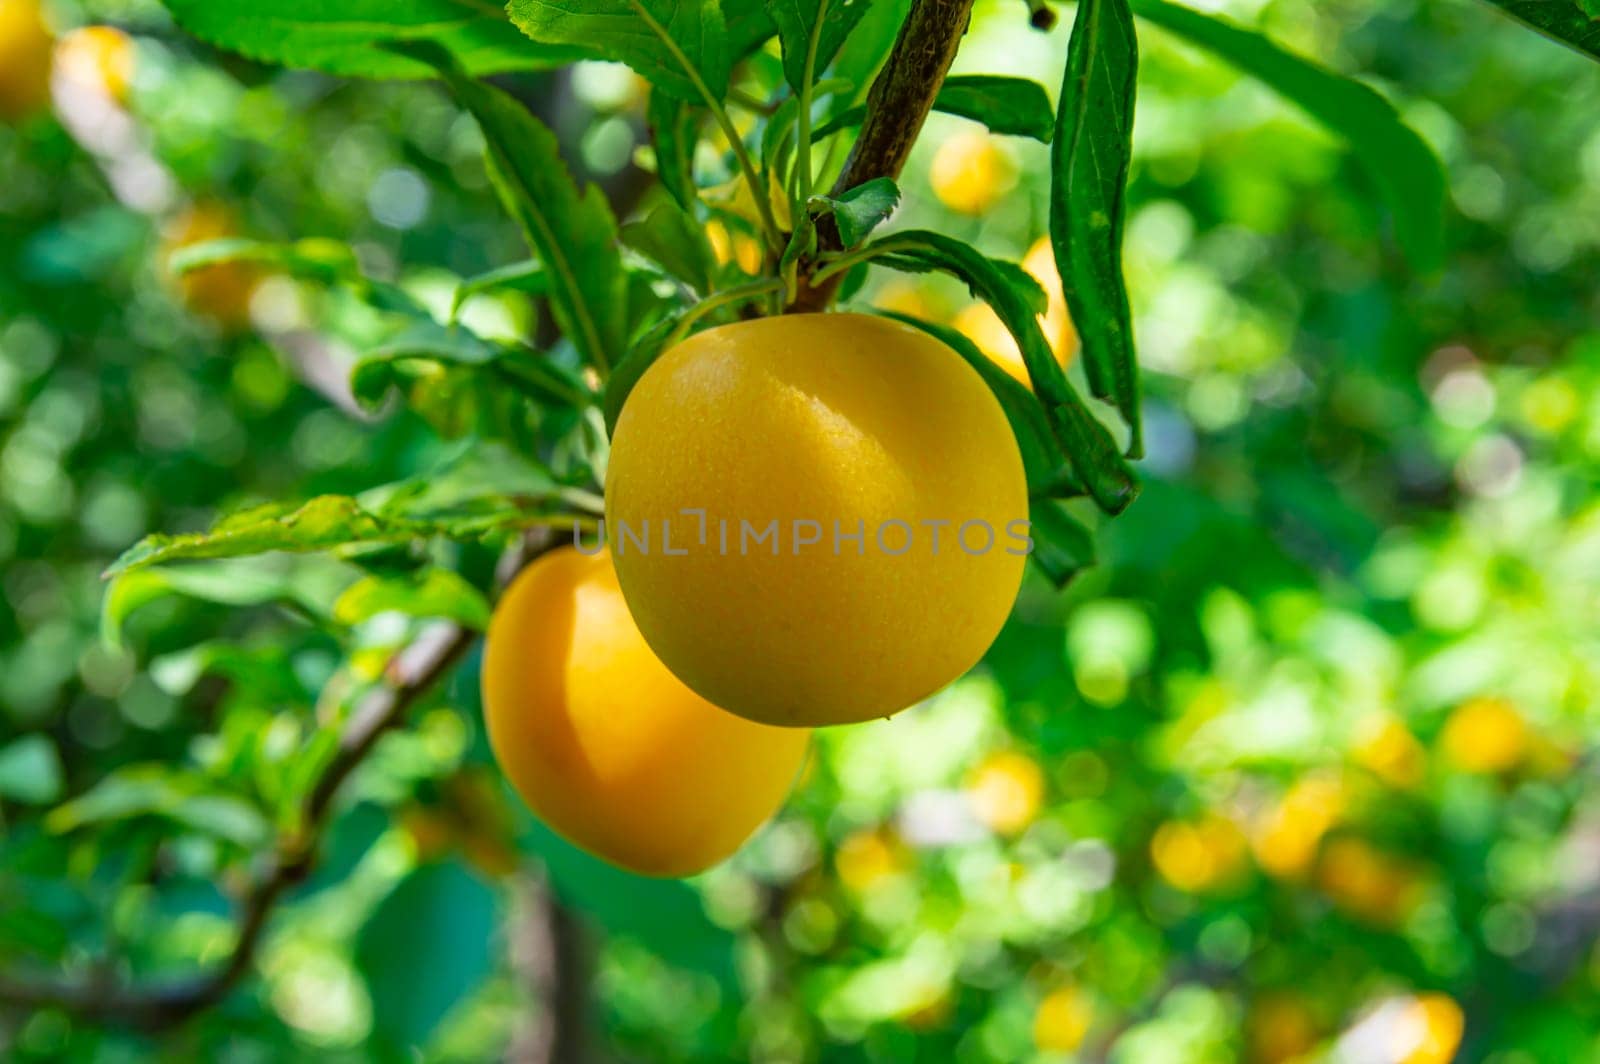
(318, 260)
(1062, 546)
(1088, 182)
(672, 238)
(159, 790)
(1560, 20)
(1087, 443)
(1405, 170)
(867, 48)
(346, 37)
(1009, 106)
(681, 48)
(674, 131)
(860, 210)
(434, 592)
(812, 32)
(573, 233)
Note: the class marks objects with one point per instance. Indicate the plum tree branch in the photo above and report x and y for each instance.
(897, 106)
(408, 677)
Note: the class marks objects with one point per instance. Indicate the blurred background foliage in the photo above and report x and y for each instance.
(1303, 770)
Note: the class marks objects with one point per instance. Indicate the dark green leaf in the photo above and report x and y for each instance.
(681, 48)
(674, 126)
(573, 233)
(640, 357)
(433, 592)
(1407, 173)
(426, 947)
(30, 770)
(1062, 546)
(1560, 20)
(1087, 443)
(665, 915)
(859, 210)
(345, 37)
(1011, 106)
(866, 49)
(811, 33)
(749, 26)
(671, 237)
(1088, 183)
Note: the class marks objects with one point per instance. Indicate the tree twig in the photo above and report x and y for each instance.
(897, 106)
(409, 676)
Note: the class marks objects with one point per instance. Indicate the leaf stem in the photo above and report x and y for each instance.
(726, 297)
(802, 158)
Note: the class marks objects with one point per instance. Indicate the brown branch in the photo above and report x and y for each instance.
(410, 674)
(551, 960)
(897, 106)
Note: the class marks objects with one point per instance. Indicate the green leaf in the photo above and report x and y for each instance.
(665, 915)
(749, 26)
(425, 948)
(1087, 443)
(1010, 106)
(346, 37)
(681, 48)
(30, 770)
(573, 233)
(640, 357)
(433, 592)
(1088, 182)
(331, 521)
(159, 790)
(866, 49)
(300, 583)
(672, 238)
(859, 210)
(811, 33)
(455, 345)
(527, 276)
(1042, 458)
(674, 131)
(316, 259)
(1560, 20)
(1062, 546)
(1405, 170)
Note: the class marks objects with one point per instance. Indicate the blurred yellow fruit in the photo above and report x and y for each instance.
(98, 59)
(983, 326)
(222, 291)
(1005, 790)
(1062, 1020)
(739, 248)
(24, 60)
(1280, 1028)
(1485, 735)
(604, 744)
(1390, 752)
(1286, 841)
(1368, 883)
(1199, 855)
(971, 171)
(1432, 1029)
(866, 858)
(813, 430)
(904, 297)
